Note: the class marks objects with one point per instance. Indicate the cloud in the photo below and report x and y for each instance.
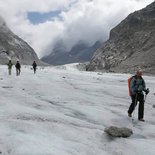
(87, 20)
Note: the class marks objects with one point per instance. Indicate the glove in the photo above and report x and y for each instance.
(147, 91)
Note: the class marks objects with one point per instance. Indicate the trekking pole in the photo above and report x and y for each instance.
(134, 107)
(145, 98)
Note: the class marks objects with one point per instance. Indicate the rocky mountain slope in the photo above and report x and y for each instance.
(14, 48)
(81, 52)
(131, 45)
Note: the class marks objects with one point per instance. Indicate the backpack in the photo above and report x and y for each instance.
(18, 65)
(10, 65)
(129, 85)
(34, 65)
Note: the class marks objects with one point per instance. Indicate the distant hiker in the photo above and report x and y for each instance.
(18, 67)
(34, 65)
(137, 86)
(10, 66)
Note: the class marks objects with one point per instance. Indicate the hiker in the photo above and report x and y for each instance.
(34, 65)
(18, 67)
(137, 86)
(10, 67)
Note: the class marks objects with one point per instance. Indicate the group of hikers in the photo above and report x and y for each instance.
(18, 67)
(136, 86)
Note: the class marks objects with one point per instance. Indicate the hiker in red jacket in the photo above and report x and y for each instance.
(137, 86)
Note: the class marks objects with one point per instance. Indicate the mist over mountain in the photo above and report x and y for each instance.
(14, 48)
(131, 45)
(80, 52)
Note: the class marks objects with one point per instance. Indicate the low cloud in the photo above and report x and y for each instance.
(87, 20)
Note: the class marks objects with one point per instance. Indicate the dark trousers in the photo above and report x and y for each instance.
(9, 71)
(135, 99)
(34, 68)
(17, 71)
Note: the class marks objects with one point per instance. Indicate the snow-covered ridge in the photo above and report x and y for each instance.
(65, 111)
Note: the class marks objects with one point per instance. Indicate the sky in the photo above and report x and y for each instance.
(63, 111)
(42, 23)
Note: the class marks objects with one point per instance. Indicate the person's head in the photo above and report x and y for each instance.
(139, 73)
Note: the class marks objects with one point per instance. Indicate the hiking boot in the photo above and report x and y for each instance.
(129, 115)
(142, 120)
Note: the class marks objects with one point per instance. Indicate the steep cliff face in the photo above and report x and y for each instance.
(14, 48)
(131, 45)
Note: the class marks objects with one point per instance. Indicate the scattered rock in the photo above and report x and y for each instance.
(118, 132)
(7, 87)
(100, 73)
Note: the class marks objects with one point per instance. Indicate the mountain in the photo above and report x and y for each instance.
(131, 45)
(81, 52)
(14, 48)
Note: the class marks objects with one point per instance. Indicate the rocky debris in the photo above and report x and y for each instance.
(118, 132)
(82, 66)
(130, 46)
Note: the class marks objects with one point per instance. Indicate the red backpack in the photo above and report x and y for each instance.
(129, 85)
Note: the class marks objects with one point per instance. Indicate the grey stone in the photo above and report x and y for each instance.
(118, 132)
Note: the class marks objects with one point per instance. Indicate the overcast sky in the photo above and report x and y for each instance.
(42, 22)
